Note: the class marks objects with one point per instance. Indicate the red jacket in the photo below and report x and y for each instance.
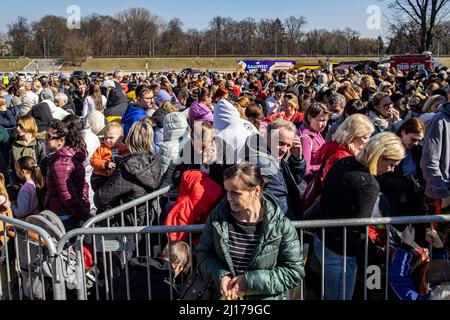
(67, 190)
(198, 196)
(296, 118)
(331, 152)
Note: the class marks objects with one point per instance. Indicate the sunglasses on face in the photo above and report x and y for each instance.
(49, 137)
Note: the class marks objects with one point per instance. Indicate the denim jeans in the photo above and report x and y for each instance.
(333, 273)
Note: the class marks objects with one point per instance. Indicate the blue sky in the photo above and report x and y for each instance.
(327, 14)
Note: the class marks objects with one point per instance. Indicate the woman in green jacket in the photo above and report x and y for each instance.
(249, 249)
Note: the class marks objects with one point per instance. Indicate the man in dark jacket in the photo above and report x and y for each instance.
(282, 164)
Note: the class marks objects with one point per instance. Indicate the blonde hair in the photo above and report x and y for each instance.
(240, 110)
(169, 106)
(114, 125)
(203, 132)
(368, 82)
(37, 84)
(386, 145)
(355, 126)
(140, 137)
(244, 102)
(28, 124)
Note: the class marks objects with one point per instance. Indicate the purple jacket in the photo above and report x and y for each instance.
(199, 113)
(311, 143)
(67, 190)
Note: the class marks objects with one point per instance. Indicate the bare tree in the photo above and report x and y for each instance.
(294, 33)
(135, 30)
(76, 49)
(50, 33)
(19, 37)
(423, 16)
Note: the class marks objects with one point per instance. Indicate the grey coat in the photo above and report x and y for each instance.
(435, 161)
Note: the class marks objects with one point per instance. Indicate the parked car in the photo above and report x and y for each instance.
(195, 72)
(78, 74)
(95, 74)
(57, 75)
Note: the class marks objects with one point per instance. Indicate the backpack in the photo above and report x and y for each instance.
(35, 268)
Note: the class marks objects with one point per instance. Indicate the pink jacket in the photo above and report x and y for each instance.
(311, 143)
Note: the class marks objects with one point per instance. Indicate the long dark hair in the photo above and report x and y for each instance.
(96, 94)
(71, 128)
(29, 164)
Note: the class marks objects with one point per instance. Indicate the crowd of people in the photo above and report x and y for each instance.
(246, 154)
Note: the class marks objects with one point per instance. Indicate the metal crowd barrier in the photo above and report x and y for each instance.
(28, 268)
(120, 241)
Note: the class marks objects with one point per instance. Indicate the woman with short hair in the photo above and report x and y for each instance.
(350, 138)
(26, 142)
(249, 249)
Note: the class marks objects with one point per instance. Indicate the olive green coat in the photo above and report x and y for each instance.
(277, 263)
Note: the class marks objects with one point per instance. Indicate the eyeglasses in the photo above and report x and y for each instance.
(49, 137)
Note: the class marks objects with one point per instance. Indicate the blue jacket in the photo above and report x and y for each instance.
(132, 115)
(400, 278)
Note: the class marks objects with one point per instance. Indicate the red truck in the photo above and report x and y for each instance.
(412, 61)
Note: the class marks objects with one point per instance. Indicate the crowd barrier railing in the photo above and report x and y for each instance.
(110, 245)
(28, 262)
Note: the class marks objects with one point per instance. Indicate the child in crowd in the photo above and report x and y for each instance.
(30, 198)
(107, 157)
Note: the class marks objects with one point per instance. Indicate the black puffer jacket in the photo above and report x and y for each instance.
(349, 191)
(138, 175)
(406, 198)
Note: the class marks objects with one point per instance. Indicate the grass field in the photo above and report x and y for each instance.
(202, 63)
(5, 64)
(177, 64)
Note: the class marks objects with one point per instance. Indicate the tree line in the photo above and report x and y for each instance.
(138, 32)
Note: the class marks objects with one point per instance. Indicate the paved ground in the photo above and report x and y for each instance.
(45, 65)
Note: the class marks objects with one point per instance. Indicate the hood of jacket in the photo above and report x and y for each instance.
(175, 126)
(225, 114)
(329, 149)
(198, 111)
(144, 167)
(23, 144)
(43, 116)
(445, 109)
(57, 112)
(133, 114)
